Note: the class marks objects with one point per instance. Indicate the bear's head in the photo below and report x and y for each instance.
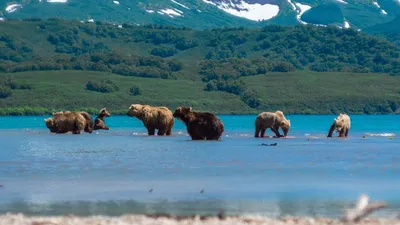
(104, 112)
(135, 110)
(339, 124)
(51, 124)
(285, 126)
(182, 112)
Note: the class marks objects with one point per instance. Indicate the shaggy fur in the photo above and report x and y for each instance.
(272, 120)
(200, 125)
(341, 124)
(99, 122)
(63, 122)
(153, 118)
(89, 122)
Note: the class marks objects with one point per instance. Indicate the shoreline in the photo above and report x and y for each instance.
(139, 219)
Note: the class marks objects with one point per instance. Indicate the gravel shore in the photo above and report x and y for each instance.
(19, 219)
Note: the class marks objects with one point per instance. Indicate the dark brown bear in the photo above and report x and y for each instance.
(200, 125)
(89, 122)
(99, 122)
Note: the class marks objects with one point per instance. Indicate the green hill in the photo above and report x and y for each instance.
(55, 64)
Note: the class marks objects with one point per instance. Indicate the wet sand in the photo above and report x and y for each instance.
(19, 219)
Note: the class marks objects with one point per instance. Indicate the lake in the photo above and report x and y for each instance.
(125, 171)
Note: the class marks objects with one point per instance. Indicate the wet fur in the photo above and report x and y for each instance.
(273, 121)
(200, 125)
(341, 124)
(154, 118)
(99, 122)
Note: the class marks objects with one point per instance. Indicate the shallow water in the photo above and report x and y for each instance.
(111, 172)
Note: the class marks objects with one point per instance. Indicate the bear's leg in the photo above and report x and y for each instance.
(106, 128)
(275, 129)
(347, 132)
(263, 130)
(196, 136)
(161, 132)
(169, 132)
(331, 130)
(257, 132)
(151, 131)
(342, 132)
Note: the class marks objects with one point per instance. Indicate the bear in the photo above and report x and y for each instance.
(89, 121)
(153, 117)
(63, 122)
(342, 124)
(272, 120)
(99, 122)
(200, 125)
(53, 127)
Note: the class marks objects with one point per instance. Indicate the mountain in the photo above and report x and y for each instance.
(205, 14)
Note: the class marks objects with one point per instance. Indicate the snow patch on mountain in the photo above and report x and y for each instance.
(341, 1)
(303, 8)
(346, 24)
(149, 11)
(57, 1)
(182, 5)
(291, 3)
(13, 7)
(116, 2)
(256, 11)
(379, 7)
(171, 12)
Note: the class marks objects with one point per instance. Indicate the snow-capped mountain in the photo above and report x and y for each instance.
(358, 14)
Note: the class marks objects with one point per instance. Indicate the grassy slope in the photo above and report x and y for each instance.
(325, 93)
(297, 92)
(293, 92)
(69, 87)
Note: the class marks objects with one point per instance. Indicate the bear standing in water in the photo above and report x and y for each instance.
(272, 120)
(200, 125)
(341, 124)
(99, 122)
(153, 118)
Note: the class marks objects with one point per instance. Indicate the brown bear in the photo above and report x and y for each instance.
(200, 125)
(272, 120)
(89, 122)
(63, 122)
(153, 118)
(99, 122)
(341, 124)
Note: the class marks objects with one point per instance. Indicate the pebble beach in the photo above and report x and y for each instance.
(19, 219)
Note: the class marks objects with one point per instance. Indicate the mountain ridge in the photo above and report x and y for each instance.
(207, 14)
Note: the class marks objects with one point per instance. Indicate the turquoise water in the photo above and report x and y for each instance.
(111, 172)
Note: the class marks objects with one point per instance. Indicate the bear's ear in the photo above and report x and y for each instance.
(190, 109)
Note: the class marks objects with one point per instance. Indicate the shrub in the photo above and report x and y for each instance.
(163, 52)
(135, 90)
(25, 87)
(5, 91)
(105, 86)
